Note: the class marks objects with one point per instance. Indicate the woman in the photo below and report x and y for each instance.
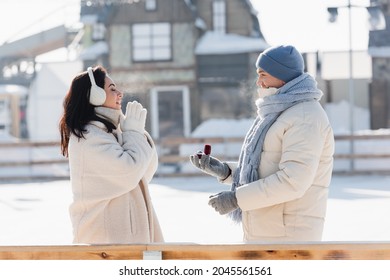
(280, 183)
(112, 159)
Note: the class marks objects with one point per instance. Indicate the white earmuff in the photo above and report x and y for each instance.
(97, 95)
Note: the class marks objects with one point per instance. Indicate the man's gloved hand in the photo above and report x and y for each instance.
(210, 165)
(224, 202)
(135, 117)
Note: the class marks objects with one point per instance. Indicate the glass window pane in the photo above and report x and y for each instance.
(161, 54)
(150, 5)
(161, 41)
(141, 29)
(142, 54)
(219, 14)
(152, 42)
(142, 42)
(171, 114)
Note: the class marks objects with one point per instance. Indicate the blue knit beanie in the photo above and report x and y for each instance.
(282, 62)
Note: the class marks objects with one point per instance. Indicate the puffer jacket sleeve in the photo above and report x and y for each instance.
(233, 167)
(301, 151)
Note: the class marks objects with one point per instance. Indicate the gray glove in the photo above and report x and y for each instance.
(134, 118)
(211, 165)
(224, 202)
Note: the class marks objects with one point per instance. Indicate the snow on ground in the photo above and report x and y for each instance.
(36, 213)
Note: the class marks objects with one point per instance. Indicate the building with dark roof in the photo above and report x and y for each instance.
(186, 61)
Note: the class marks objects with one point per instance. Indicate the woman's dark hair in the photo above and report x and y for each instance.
(78, 112)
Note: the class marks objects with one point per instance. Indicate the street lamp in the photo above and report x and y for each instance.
(377, 22)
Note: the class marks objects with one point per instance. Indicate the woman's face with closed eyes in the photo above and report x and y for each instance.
(113, 95)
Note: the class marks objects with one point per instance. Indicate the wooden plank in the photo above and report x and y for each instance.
(174, 141)
(288, 251)
(362, 156)
(32, 178)
(319, 251)
(33, 162)
(358, 137)
(21, 144)
(72, 252)
(178, 158)
(186, 158)
(361, 172)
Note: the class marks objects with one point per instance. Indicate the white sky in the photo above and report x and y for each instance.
(303, 23)
(25, 17)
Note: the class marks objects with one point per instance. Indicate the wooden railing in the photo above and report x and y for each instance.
(311, 251)
(19, 161)
(169, 154)
(173, 142)
(27, 144)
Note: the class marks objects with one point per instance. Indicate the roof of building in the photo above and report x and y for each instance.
(216, 43)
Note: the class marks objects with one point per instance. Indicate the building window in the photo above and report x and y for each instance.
(170, 111)
(151, 42)
(219, 16)
(5, 117)
(98, 31)
(150, 5)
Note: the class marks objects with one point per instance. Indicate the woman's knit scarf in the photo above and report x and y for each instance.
(301, 89)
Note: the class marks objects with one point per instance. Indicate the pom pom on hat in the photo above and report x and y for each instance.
(283, 62)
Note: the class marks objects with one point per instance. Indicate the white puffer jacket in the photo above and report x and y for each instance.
(289, 202)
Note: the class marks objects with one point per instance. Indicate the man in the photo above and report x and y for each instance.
(279, 186)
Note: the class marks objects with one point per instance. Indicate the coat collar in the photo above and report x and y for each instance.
(112, 115)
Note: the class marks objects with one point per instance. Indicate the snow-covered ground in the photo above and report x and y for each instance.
(36, 213)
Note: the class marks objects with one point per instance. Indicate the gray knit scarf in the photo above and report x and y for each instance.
(301, 89)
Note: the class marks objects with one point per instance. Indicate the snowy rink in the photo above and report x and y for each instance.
(36, 213)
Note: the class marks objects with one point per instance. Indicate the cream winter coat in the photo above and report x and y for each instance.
(289, 202)
(110, 173)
